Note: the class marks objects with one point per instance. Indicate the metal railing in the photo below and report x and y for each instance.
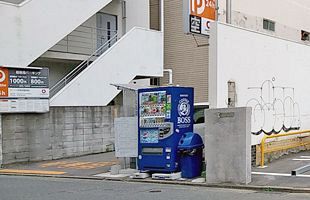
(83, 65)
(281, 148)
(83, 40)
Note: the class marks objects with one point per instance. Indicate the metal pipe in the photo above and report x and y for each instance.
(216, 10)
(170, 75)
(124, 17)
(228, 11)
(162, 15)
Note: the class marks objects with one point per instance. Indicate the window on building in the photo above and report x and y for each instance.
(155, 81)
(269, 25)
(305, 35)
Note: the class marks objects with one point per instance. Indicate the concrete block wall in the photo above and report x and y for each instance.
(63, 132)
(253, 155)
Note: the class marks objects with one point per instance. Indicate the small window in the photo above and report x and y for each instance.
(155, 81)
(305, 35)
(268, 25)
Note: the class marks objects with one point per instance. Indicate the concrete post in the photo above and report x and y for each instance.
(228, 145)
(129, 103)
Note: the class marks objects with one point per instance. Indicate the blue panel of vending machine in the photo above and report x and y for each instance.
(164, 114)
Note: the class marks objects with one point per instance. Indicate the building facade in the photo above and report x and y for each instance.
(90, 44)
(188, 55)
(87, 46)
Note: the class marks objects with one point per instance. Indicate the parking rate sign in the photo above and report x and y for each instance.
(24, 90)
(24, 83)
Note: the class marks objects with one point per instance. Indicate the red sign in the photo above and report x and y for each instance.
(201, 13)
(203, 8)
(4, 82)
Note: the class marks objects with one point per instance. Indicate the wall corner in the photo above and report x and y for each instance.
(213, 61)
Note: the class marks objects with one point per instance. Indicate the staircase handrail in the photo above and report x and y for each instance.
(57, 87)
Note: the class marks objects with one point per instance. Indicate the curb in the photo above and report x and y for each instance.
(230, 186)
(170, 182)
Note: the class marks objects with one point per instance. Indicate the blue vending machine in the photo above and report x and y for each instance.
(165, 113)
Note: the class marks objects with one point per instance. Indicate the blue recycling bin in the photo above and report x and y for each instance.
(190, 149)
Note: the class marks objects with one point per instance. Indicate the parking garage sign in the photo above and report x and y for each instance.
(24, 90)
(198, 15)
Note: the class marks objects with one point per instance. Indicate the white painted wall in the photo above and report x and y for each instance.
(137, 14)
(138, 53)
(256, 23)
(249, 58)
(30, 30)
(293, 13)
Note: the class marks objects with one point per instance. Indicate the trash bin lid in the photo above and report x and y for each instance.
(190, 141)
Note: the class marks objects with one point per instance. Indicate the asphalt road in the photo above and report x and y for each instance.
(35, 188)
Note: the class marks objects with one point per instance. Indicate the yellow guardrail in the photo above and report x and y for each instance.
(262, 145)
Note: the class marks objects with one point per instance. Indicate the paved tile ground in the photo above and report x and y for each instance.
(79, 166)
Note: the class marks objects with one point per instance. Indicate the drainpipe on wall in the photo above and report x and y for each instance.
(123, 3)
(162, 15)
(228, 11)
(162, 30)
(216, 10)
(170, 76)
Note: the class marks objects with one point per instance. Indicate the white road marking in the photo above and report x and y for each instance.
(305, 156)
(301, 159)
(280, 174)
(270, 174)
(303, 175)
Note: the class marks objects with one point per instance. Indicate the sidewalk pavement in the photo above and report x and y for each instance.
(84, 166)
(275, 177)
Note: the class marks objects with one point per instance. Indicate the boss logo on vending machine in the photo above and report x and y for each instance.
(184, 111)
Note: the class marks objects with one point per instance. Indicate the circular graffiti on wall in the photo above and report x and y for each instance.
(273, 109)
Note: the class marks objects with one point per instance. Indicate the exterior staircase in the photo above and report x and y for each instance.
(138, 53)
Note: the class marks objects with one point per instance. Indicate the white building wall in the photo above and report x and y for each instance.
(137, 14)
(249, 58)
(290, 17)
(293, 13)
(33, 28)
